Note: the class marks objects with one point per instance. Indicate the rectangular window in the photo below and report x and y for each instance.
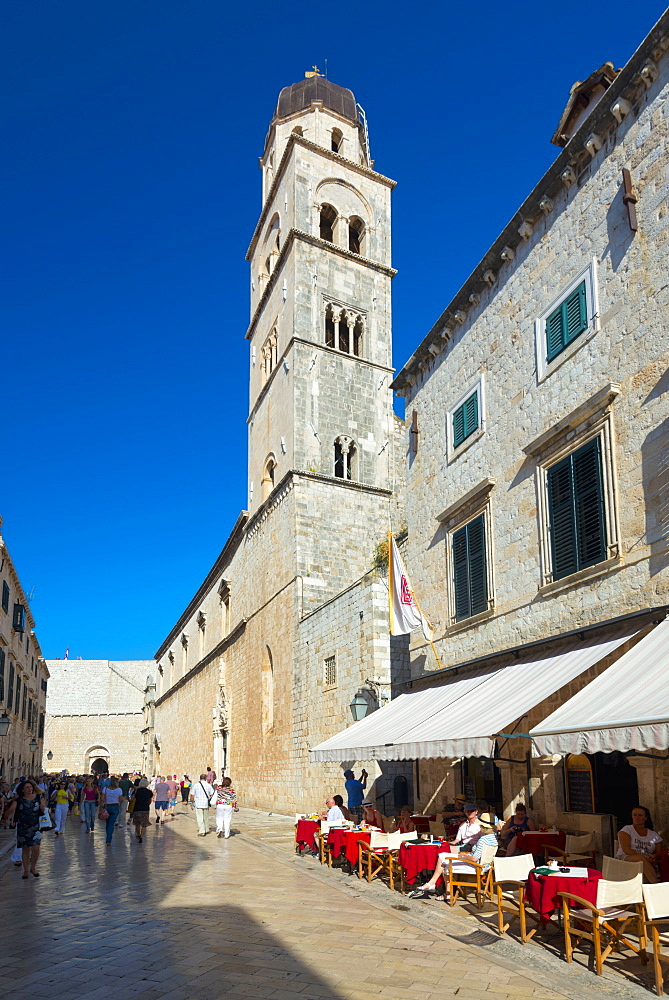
(10, 687)
(5, 596)
(30, 713)
(2, 676)
(17, 701)
(24, 704)
(576, 510)
(43, 685)
(466, 419)
(470, 572)
(19, 619)
(330, 671)
(566, 322)
(40, 731)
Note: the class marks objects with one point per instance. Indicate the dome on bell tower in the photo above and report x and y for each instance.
(301, 95)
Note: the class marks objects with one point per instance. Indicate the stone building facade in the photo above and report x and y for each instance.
(98, 716)
(290, 623)
(538, 490)
(24, 677)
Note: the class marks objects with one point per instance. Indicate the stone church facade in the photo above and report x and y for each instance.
(291, 621)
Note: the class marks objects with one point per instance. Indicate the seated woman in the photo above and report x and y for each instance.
(488, 837)
(515, 824)
(371, 816)
(639, 842)
(405, 824)
(340, 802)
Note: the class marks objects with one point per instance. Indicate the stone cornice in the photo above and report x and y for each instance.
(205, 661)
(636, 76)
(599, 403)
(318, 347)
(475, 496)
(233, 540)
(299, 140)
(297, 234)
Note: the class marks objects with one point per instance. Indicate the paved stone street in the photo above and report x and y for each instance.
(182, 918)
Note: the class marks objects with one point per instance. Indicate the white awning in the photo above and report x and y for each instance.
(625, 708)
(367, 739)
(461, 718)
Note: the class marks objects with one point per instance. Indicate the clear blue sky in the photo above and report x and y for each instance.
(131, 185)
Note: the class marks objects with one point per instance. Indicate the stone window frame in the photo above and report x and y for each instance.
(478, 385)
(474, 503)
(330, 661)
(351, 316)
(588, 274)
(224, 598)
(594, 418)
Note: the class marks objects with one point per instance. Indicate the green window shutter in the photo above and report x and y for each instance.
(561, 512)
(566, 323)
(470, 570)
(2, 676)
(576, 318)
(576, 511)
(461, 574)
(466, 419)
(589, 504)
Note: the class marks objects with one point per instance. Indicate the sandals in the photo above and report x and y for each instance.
(421, 890)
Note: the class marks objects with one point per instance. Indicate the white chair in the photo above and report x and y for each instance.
(510, 878)
(656, 898)
(379, 856)
(577, 847)
(616, 870)
(460, 880)
(604, 924)
(322, 841)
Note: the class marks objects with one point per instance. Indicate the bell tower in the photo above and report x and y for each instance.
(320, 329)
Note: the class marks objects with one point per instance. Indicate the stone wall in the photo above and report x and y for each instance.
(76, 741)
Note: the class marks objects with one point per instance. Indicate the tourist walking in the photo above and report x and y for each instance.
(111, 801)
(162, 799)
(185, 788)
(201, 794)
(125, 784)
(225, 800)
(61, 800)
(173, 786)
(30, 807)
(89, 804)
(141, 816)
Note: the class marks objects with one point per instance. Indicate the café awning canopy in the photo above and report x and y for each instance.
(625, 708)
(461, 719)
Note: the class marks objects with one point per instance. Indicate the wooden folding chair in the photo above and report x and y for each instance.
(509, 886)
(578, 847)
(656, 899)
(323, 843)
(379, 856)
(604, 925)
(617, 870)
(479, 871)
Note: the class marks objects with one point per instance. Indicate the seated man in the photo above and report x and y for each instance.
(454, 810)
(334, 813)
(338, 800)
(486, 836)
(469, 831)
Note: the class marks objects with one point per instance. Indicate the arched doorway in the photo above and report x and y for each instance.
(99, 766)
(96, 759)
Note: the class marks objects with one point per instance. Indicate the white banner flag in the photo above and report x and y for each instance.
(405, 615)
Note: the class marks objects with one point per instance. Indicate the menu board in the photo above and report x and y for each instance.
(579, 789)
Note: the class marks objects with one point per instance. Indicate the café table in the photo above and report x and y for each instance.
(345, 842)
(534, 841)
(416, 858)
(541, 891)
(422, 823)
(305, 831)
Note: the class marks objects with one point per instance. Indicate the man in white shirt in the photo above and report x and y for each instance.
(201, 794)
(334, 813)
(469, 831)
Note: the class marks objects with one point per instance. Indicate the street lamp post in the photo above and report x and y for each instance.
(5, 723)
(32, 746)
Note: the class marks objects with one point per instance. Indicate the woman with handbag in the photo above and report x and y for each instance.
(110, 807)
(141, 802)
(225, 801)
(30, 807)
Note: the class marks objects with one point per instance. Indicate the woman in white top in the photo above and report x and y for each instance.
(639, 842)
(111, 800)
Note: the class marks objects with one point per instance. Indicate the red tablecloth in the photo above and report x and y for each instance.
(415, 858)
(664, 865)
(541, 891)
(533, 843)
(422, 823)
(306, 831)
(346, 842)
